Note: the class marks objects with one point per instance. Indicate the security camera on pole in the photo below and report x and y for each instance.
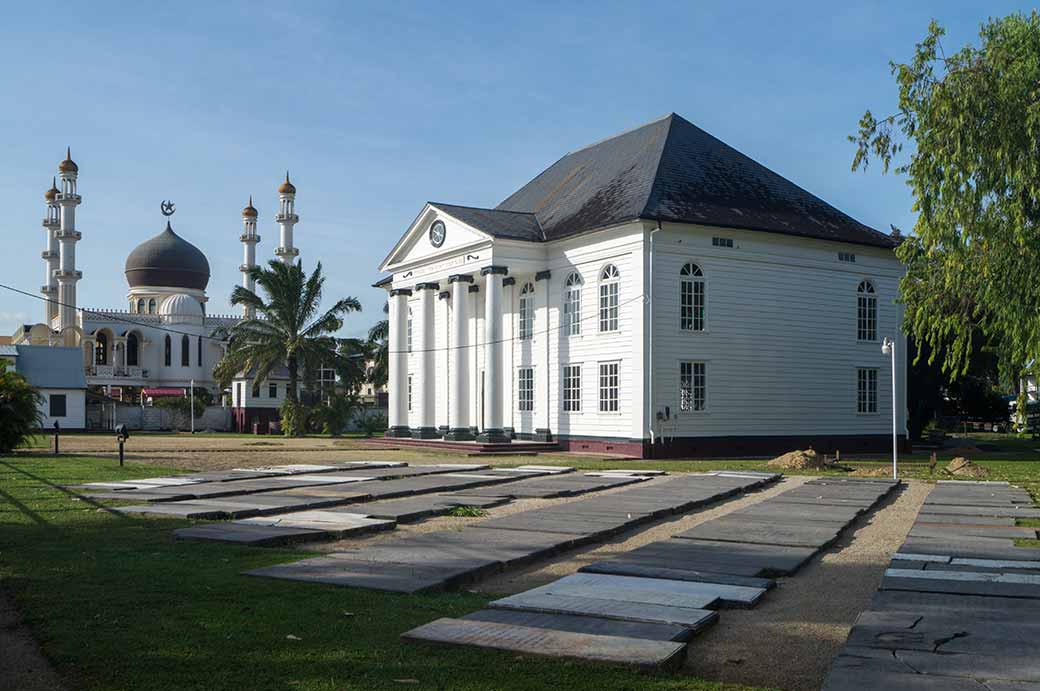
(888, 347)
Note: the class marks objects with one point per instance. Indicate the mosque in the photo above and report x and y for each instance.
(163, 340)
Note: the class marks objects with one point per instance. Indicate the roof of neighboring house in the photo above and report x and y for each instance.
(51, 367)
(498, 222)
(666, 170)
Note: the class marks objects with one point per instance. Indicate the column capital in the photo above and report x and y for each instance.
(494, 270)
(508, 281)
(474, 289)
(542, 275)
(400, 291)
(443, 295)
(428, 285)
(465, 278)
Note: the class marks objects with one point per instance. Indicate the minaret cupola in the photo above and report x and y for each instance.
(286, 220)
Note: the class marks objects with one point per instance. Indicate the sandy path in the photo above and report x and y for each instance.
(788, 640)
(22, 666)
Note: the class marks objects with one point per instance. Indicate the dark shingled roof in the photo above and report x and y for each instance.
(498, 222)
(167, 260)
(668, 170)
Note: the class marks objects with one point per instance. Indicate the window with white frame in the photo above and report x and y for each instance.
(609, 290)
(527, 311)
(693, 386)
(722, 242)
(572, 388)
(409, 392)
(525, 389)
(572, 304)
(608, 386)
(408, 338)
(866, 312)
(691, 298)
(866, 390)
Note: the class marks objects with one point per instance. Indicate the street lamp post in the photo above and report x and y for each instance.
(888, 347)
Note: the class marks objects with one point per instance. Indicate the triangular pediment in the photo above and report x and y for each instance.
(417, 245)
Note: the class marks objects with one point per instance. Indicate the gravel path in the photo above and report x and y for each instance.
(789, 639)
(22, 666)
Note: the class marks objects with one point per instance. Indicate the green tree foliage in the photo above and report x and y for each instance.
(289, 330)
(19, 409)
(334, 414)
(971, 120)
(379, 347)
(182, 404)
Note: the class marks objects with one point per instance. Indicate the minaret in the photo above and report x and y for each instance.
(249, 239)
(51, 223)
(286, 219)
(67, 237)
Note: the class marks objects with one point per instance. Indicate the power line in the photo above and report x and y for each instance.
(112, 317)
(561, 325)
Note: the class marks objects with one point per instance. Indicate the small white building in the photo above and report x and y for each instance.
(57, 375)
(657, 293)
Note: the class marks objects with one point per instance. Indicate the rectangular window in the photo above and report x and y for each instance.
(272, 390)
(692, 386)
(691, 298)
(409, 392)
(256, 390)
(58, 403)
(722, 242)
(866, 327)
(525, 389)
(608, 306)
(608, 386)
(572, 311)
(572, 388)
(241, 395)
(526, 317)
(408, 336)
(847, 257)
(866, 390)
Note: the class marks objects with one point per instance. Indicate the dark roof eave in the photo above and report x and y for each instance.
(384, 282)
(883, 240)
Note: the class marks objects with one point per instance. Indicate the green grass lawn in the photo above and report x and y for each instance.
(116, 603)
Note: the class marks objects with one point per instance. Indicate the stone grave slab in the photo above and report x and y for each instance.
(956, 531)
(732, 595)
(579, 624)
(620, 567)
(635, 652)
(706, 599)
(331, 523)
(691, 618)
(924, 518)
(388, 576)
(247, 534)
(724, 530)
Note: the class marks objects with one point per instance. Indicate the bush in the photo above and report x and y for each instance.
(182, 405)
(371, 424)
(294, 418)
(334, 416)
(19, 409)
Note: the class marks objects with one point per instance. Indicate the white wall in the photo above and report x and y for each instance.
(75, 408)
(780, 343)
(242, 394)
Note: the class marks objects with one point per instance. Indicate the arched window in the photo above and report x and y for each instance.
(866, 312)
(185, 351)
(572, 304)
(526, 311)
(199, 363)
(691, 298)
(140, 305)
(132, 348)
(609, 288)
(101, 349)
(167, 351)
(151, 306)
(408, 338)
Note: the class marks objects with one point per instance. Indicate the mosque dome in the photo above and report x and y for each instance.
(287, 187)
(68, 165)
(52, 193)
(181, 308)
(250, 211)
(168, 261)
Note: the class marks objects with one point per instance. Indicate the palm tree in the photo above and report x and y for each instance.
(287, 329)
(379, 347)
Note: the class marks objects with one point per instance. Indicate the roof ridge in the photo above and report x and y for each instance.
(485, 208)
(657, 168)
(624, 132)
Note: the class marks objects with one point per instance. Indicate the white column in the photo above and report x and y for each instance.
(459, 357)
(397, 384)
(543, 393)
(424, 386)
(493, 432)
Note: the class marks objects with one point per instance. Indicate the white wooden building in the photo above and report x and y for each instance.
(657, 293)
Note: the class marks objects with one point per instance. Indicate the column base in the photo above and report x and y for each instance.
(542, 434)
(399, 432)
(493, 436)
(442, 430)
(509, 432)
(425, 433)
(458, 434)
(474, 431)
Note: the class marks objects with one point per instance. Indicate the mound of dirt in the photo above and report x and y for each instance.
(962, 467)
(800, 460)
(883, 471)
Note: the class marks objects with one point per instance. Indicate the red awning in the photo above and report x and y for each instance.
(158, 393)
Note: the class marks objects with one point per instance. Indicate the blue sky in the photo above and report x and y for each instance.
(378, 107)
